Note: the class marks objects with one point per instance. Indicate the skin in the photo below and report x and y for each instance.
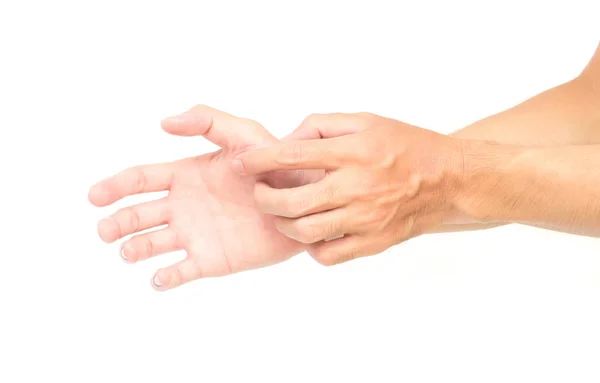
(570, 112)
(383, 173)
(534, 186)
(390, 182)
(213, 213)
(209, 212)
(385, 183)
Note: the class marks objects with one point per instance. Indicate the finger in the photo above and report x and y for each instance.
(299, 201)
(344, 249)
(132, 219)
(176, 275)
(293, 178)
(328, 154)
(318, 227)
(220, 128)
(148, 245)
(318, 126)
(136, 180)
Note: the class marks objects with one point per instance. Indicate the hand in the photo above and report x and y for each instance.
(210, 210)
(386, 182)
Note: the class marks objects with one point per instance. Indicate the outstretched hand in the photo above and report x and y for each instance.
(210, 211)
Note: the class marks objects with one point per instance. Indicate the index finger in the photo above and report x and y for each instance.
(327, 154)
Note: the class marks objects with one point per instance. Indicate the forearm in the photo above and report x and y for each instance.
(557, 188)
(568, 114)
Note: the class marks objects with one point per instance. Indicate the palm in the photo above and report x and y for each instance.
(216, 220)
(209, 212)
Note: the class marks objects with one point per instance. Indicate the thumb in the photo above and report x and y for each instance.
(220, 128)
(317, 126)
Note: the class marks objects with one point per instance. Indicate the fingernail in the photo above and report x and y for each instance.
(238, 166)
(156, 282)
(122, 253)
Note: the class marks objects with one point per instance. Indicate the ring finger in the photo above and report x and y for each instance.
(132, 219)
(147, 245)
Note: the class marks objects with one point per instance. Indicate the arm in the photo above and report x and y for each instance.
(557, 188)
(568, 114)
(391, 181)
(565, 115)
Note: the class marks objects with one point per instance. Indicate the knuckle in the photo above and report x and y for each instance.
(328, 261)
(330, 229)
(376, 215)
(140, 249)
(199, 108)
(369, 216)
(134, 219)
(306, 232)
(337, 257)
(296, 205)
(138, 179)
(129, 219)
(366, 148)
(177, 276)
(334, 230)
(312, 119)
(310, 232)
(347, 256)
(295, 208)
(332, 257)
(290, 154)
(146, 249)
(365, 120)
(196, 271)
(375, 145)
(290, 206)
(364, 186)
(327, 194)
(325, 258)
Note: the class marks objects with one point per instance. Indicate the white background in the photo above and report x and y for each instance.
(83, 86)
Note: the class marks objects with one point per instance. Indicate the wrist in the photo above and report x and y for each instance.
(482, 194)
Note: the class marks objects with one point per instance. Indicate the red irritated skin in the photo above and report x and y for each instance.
(210, 211)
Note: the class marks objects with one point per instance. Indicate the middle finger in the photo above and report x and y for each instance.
(295, 202)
